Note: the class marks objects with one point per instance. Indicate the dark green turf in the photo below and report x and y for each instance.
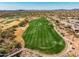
(42, 36)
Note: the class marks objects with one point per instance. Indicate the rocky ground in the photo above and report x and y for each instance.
(72, 41)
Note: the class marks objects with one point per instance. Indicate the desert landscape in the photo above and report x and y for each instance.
(39, 33)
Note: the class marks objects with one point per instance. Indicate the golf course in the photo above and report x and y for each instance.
(41, 36)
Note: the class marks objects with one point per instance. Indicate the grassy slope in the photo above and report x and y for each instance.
(41, 36)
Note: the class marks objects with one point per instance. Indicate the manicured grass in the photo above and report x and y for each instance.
(42, 36)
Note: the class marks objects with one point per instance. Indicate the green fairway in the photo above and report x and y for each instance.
(40, 35)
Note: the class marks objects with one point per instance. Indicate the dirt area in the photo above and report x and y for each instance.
(18, 33)
(72, 41)
(72, 48)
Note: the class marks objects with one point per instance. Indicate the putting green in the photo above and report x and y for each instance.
(40, 35)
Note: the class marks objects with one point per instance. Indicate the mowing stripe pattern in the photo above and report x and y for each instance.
(40, 35)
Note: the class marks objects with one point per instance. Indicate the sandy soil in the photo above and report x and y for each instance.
(72, 42)
(18, 33)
